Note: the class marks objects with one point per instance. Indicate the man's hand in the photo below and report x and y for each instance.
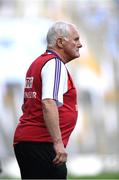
(61, 155)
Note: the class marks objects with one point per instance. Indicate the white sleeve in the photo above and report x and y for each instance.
(54, 80)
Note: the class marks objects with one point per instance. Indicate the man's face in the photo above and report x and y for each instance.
(72, 44)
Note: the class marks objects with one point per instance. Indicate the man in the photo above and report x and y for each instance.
(49, 109)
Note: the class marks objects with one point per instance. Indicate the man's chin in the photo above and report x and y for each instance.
(77, 55)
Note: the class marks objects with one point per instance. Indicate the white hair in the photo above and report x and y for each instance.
(59, 29)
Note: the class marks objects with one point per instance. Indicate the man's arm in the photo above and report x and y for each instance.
(51, 118)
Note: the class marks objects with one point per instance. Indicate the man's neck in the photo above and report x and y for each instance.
(58, 53)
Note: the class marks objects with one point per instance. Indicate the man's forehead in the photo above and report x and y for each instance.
(74, 31)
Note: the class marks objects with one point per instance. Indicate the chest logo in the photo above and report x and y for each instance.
(29, 82)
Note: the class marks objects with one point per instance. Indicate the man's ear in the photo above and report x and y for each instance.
(59, 42)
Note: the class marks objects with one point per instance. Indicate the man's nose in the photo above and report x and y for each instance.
(80, 45)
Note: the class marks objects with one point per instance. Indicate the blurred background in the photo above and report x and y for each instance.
(94, 145)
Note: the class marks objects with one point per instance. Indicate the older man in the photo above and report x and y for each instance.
(49, 109)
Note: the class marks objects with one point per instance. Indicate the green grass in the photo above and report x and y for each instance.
(99, 176)
(107, 176)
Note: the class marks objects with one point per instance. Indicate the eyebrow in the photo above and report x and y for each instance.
(76, 38)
